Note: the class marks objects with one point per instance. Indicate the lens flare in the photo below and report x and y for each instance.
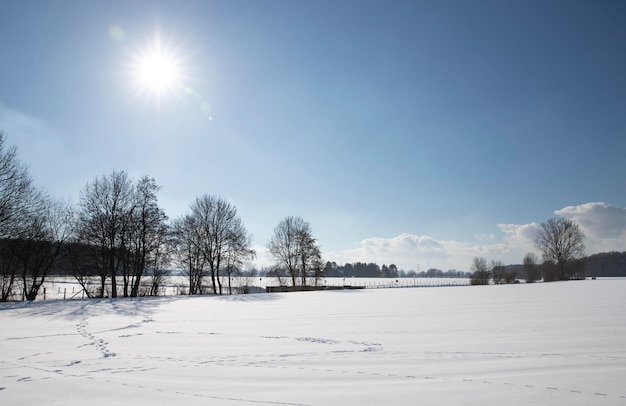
(117, 33)
(205, 107)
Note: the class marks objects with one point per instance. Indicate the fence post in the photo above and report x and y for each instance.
(44, 293)
(64, 292)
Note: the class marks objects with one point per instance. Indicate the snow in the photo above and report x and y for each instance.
(554, 343)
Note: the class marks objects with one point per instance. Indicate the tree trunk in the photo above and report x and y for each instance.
(219, 280)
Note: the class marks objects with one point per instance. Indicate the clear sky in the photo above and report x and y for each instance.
(420, 133)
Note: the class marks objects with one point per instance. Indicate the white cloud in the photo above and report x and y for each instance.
(484, 237)
(604, 226)
(408, 251)
(519, 237)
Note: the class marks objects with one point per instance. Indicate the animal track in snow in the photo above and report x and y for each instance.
(100, 344)
(317, 340)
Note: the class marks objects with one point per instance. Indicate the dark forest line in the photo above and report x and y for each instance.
(604, 264)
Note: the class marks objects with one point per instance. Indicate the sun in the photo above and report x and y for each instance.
(157, 70)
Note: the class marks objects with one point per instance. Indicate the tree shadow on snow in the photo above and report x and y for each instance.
(77, 308)
(80, 308)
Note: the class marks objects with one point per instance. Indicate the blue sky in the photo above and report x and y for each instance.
(407, 132)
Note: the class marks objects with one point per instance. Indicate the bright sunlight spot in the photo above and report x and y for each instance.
(157, 70)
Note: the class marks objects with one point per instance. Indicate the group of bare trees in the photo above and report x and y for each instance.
(117, 241)
(33, 228)
(296, 251)
(561, 243)
(481, 272)
(123, 236)
(120, 234)
(532, 269)
(211, 241)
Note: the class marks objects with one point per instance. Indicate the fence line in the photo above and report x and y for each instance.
(67, 288)
(416, 283)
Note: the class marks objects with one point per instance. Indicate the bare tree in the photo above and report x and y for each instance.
(209, 240)
(319, 269)
(156, 271)
(480, 271)
(294, 249)
(19, 201)
(238, 253)
(497, 272)
(233, 267)
(283, 245)
(16, 190)
(48, 229)
(106, 205)
(309, 253)
(9, 266)
(510, 275)
(531, 267)
(560, 241)
(147, 234)
(224, 237)
(187, 249)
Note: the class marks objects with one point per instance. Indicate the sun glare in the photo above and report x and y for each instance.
(157, 70)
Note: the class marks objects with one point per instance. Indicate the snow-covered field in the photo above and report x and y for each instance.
(552, 344)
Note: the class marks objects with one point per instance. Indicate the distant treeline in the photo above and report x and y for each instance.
(373, 270)
(605, 264)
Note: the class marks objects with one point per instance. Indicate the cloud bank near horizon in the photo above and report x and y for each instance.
(604, 226)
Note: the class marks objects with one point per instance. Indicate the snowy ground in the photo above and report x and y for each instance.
(554, 343)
